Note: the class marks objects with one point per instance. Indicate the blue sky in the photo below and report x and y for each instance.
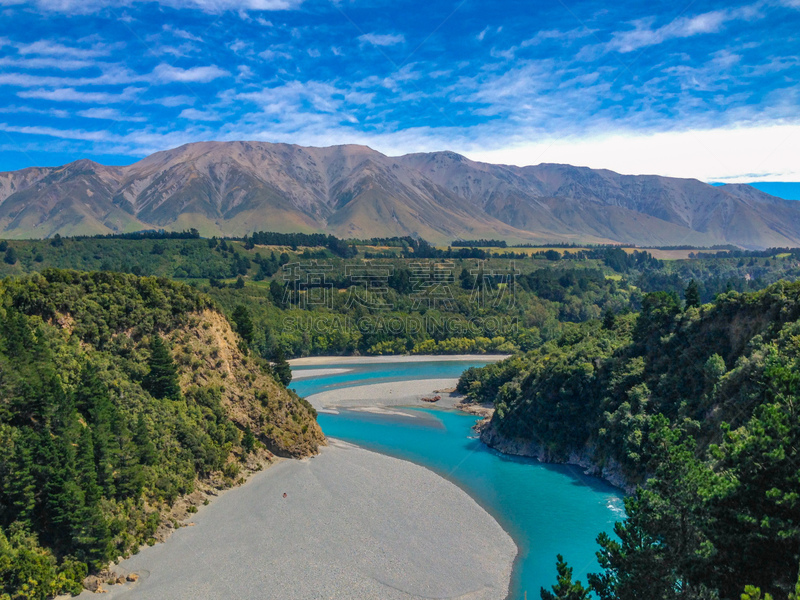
(696, 89)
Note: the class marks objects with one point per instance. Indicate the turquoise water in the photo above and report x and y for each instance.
(355, 375)
(546, 509)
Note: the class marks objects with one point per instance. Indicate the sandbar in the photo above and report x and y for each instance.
(354, 525)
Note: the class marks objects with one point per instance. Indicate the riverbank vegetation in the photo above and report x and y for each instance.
(696, 403)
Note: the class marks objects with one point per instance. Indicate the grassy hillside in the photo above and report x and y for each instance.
(121, 399)
(699, 404)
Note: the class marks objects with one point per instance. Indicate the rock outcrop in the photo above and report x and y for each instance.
(609, 470)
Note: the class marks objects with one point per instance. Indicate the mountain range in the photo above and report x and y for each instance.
(234, 188)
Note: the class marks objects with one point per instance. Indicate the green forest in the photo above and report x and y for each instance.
(698, 405)
(117, 402)
(276, 278)
(138, 369)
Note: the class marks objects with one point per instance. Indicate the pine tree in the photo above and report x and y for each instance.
(281, 368)
(248, 440)
(565, 589)
(692, 294)
(90, 533)
(243, 322)
(277, 294)
(11, 256)
(86, 469)
(130, 476)
(91, 393)
(19, 488)
(143, 442)
(609, 319)
(93, 401)
(467, 280)
(162, 380)
(17, 334)
(105, 452)
(62, 497)
(92, 536)
(59, 405)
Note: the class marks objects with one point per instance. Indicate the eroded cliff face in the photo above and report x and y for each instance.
(609, 469)
(208, 354)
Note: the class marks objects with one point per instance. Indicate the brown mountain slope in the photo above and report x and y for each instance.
(233, 188)
(73, 199)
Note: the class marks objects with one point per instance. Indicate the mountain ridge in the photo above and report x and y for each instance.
(234, 188)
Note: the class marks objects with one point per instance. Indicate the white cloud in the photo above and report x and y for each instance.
(192, 114)
(48, 62)
(643, 34)
(168, 74)
(181, 33)
(171, 101)
(556, 34)
(70, 134)
(73, 95)
(140, 142)
(238, 45)
(211, 6)
(51, 48)
(110, 114)
(762, 152)
(480, 37)
(291, 96)
(179, 51)
(385, 39)
(273, 53)
(28, 80)
(307, 110)
(244, 73)
(50, 112)
(113, 75)
(440, 73)
(738, 154)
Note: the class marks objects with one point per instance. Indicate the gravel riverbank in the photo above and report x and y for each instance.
(354, 524)
(392, 393)
(394, 359)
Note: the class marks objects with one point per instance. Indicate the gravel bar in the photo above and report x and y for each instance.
(353, 525)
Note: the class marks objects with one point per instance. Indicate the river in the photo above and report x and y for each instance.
(547, 509)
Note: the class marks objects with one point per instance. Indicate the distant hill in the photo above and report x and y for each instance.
(233, 188)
